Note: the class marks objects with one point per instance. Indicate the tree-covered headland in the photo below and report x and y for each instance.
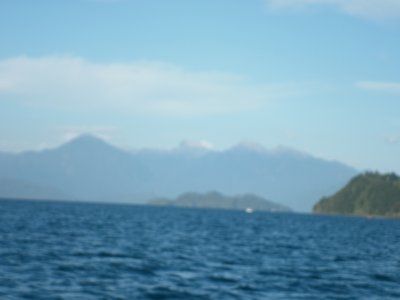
(368, 194)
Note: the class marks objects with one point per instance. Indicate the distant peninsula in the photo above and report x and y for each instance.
(219, 201)
(369, 194)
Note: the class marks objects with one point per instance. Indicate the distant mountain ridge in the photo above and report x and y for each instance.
(88, 168)
(218, 201)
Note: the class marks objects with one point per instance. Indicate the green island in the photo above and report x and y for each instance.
(217, 200)
(368, 194)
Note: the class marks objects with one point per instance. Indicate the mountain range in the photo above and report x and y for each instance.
(88, 168)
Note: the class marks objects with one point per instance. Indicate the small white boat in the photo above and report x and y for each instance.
(249, 210)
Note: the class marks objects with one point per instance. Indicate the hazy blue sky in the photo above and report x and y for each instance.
(321, 76)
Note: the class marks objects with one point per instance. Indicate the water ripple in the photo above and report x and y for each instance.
(93, 251)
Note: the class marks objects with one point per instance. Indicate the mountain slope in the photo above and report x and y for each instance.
(86, 167)
(18, 189)
(287, 177)
(366, 194)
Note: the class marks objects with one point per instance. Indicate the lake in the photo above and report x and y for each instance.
(61, 250)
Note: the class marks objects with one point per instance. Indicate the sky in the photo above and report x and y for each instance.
(320, 76)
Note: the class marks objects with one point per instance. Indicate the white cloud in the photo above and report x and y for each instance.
(200, 145)
(141, 87)
(372, 9)
(389, 87)
(392, 139)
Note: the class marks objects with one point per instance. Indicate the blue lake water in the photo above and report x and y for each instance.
(51, 250)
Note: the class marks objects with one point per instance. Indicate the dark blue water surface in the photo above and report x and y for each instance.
(51, 250)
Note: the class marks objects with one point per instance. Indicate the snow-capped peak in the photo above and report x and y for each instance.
(196, 145)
